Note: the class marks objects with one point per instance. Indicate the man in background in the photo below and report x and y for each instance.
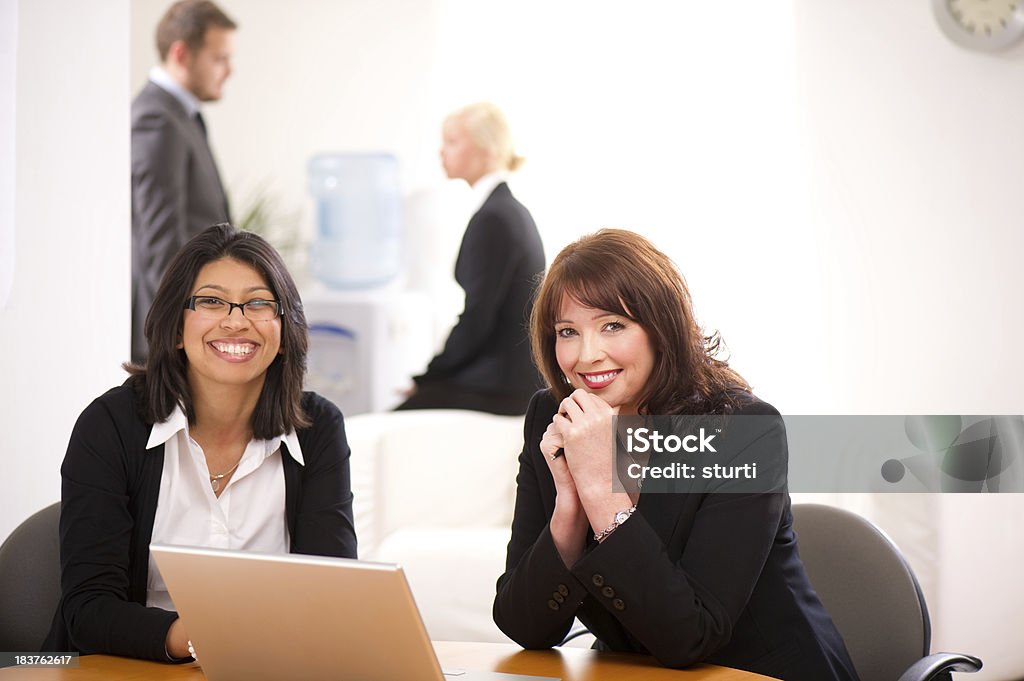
(176, 189)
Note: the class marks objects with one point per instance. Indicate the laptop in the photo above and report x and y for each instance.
(257, 616)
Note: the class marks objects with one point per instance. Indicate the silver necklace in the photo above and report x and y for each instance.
(215, 479)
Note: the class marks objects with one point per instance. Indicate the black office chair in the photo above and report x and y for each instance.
(873, 597)
(30, 581)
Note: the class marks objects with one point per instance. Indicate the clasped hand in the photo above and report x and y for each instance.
(582, 428)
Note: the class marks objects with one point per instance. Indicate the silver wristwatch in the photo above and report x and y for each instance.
(620, 517)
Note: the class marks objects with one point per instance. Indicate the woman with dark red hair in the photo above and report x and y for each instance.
(704, 575)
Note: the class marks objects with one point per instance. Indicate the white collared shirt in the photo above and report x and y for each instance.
(159, 75)
(248, 515)
(485, 186)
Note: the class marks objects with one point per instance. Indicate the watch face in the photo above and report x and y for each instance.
(621, 517)
(981, 24)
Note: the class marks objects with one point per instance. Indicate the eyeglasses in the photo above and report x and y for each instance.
(257, 310)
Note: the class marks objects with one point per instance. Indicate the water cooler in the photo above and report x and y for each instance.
(367, 336)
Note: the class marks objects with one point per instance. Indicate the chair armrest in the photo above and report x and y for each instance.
(937, 666)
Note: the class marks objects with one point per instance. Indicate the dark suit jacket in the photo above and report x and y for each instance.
(176, 193)
(111, 485)
(499, 265)
(688, 578)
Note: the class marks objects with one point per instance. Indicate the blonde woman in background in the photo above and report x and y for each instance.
(485, 364)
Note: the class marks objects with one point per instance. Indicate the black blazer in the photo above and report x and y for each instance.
(176, 193)
(499, 265)
(688, 578)
(109, 494)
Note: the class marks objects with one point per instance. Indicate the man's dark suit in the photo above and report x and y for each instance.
(712, 577)
(486, 362)
(176, 193)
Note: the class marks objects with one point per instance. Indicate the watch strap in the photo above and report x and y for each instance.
(620, 517)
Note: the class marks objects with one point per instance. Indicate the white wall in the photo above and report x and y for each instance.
(915, 153)
(8, 53)
(65, 328)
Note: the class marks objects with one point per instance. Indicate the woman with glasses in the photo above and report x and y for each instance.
(211, 443)
(696, 572)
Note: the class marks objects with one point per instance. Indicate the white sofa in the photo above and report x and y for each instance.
(434, 492)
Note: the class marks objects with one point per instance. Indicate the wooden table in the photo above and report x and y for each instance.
(568, 664)
(574, 664)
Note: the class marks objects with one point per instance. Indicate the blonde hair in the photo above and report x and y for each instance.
(487, 126)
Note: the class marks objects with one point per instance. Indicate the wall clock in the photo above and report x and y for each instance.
(986, 25)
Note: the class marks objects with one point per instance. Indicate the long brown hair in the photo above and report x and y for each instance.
(623, 273)
(162, 383)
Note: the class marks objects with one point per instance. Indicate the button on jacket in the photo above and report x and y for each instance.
(687, 578)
